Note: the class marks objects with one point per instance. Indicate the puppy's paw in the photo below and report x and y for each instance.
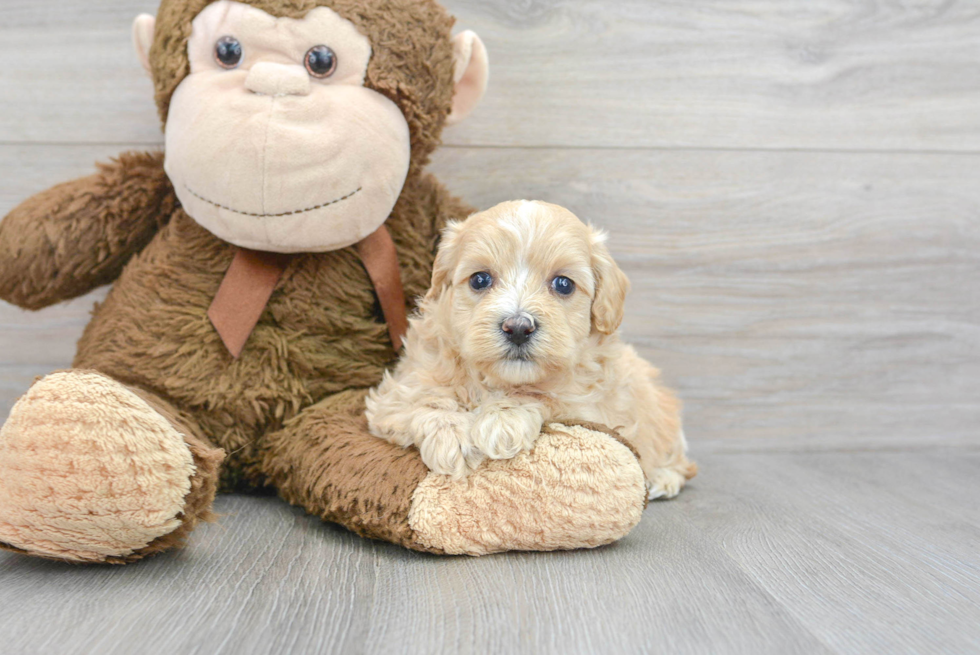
(504, 431)
(445, 445)
(446, 454)
(664, 483)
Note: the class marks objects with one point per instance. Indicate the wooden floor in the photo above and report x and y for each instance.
(793, 187)
(830, 552)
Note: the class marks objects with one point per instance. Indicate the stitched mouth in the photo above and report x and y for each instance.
(292, 213)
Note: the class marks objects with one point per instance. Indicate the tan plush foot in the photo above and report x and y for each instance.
(577, 488)
(88, 471)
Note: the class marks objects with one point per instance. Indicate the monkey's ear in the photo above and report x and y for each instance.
(143, 28)
(446, 260)
(471, 77)
(612, 285)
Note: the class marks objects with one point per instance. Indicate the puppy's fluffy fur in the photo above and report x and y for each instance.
(463, 391)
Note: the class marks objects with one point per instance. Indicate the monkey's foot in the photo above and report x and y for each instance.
(577, 488)
(90, 472)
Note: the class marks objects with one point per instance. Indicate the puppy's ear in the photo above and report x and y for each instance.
(612, 285)
(446, 259)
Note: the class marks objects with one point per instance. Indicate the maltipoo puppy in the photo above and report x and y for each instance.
(519, 329)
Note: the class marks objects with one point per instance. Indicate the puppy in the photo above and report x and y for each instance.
(518, 330)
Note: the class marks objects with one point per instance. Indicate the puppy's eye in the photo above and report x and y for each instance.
(228, 52)
(481, 281)
(563, 286)
(321, 61)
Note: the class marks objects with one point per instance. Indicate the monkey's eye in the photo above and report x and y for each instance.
(228, 52)
(480, 281)
(321, 61)
(563, 286)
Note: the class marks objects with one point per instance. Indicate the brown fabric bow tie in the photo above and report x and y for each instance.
(253, 275)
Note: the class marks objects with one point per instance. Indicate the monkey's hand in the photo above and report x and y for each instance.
(70, 239)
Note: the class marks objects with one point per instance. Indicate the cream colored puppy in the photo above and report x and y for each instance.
(520, 329)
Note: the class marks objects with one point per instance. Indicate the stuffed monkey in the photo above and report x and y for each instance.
(261, 271)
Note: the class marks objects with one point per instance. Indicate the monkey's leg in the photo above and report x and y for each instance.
(578, 487)
(94, 471)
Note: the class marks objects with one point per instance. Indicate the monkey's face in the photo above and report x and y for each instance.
(273, 142)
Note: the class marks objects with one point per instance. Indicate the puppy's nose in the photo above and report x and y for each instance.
(518, 329)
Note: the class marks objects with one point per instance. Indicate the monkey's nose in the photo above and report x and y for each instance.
(271, 79)
(518, 329)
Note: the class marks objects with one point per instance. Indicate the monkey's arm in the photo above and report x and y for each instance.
(70, 239)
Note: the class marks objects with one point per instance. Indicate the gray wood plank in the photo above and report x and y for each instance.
(809, 295)
(805, 295)
(763, 553)
(69, 73)
(818, 311)
(865, 568)
(908, 441)
(884, 567)
(266, 579)
(663, 589)
(845, 74)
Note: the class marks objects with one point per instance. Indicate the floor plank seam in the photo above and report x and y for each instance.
(569, 147)
(760, 585)
(911, 448)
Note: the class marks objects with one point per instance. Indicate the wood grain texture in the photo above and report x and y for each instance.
(664, 584)
(266, 579)
(831, 538)
(764, 553)
(792, 187)
(804, 295)
(845, 74)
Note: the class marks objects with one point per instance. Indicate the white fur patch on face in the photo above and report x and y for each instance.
(521, 223)
(267, 156)
(514, 290)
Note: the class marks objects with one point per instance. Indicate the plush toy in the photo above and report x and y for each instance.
(260, 271)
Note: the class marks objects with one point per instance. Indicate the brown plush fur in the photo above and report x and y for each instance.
(288, 412)
(77, 236)
(319, 334)
(275, 411)
(325, 460)
(204, 484)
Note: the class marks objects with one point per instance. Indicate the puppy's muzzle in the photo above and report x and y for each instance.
(518, 329)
